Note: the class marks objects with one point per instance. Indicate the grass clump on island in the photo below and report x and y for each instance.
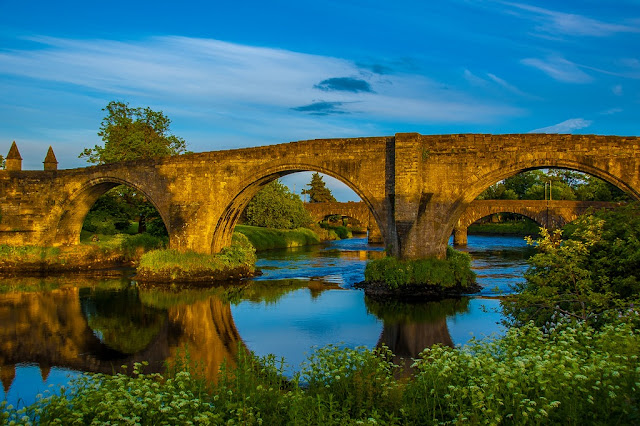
(431, 278)
(236, 261)
(270, 238)
(571, 374)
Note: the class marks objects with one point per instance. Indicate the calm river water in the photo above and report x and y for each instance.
(52, 329)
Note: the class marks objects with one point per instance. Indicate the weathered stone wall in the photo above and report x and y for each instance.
(415, 186)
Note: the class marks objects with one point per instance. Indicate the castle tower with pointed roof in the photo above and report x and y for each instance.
(50, 162)
(13, 161)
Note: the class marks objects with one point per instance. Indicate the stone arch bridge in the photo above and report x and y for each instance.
(549, 214)
(416, 186)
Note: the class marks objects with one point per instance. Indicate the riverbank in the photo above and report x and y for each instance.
(419, 280)
(522, 228)
(269, 238)
(99, 257)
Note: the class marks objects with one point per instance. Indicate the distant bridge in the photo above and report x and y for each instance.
(416, 186)
(549, 214)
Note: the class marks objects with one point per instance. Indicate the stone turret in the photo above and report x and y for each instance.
(14, 160)
(50, 162)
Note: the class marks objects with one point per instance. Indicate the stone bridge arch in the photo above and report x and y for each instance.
(250, 186)
(68, 216)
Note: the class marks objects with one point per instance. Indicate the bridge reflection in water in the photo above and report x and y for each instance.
(98, 327)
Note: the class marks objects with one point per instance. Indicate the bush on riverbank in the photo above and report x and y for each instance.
(584, 272)
(571, 375)
(269, 238)
(341, 231)
(430, 278)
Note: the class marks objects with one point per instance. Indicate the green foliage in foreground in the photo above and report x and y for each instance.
(571, 375)
(453, 271)
(172, 265)
(269, 238)
(594, 270)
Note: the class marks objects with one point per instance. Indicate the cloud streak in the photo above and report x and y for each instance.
(567, 126)
(560, 23)
(559, 69)
(226, 76)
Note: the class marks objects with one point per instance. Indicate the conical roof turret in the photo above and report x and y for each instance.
(14, 160)
(50, 161)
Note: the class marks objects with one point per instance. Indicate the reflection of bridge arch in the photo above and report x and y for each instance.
(416, 186)
(50, 329)
(548, 214)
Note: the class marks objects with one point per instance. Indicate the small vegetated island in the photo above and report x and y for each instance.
(422, 279)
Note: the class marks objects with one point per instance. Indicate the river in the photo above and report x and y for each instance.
(52, 329)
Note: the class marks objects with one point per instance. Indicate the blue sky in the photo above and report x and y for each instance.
(240, 74)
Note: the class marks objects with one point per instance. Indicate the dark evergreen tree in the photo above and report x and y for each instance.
(317, 191)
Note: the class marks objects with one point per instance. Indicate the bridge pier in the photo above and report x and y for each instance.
(460, 236)
(374, 235)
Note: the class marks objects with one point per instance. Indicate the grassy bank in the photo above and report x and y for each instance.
(235, 262)
(269, 238)
(424, 278)
(118, 250)
(572, 374)
(506, 228)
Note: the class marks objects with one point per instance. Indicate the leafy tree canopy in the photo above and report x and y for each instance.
(318, 191)
(587, 272)
(565, 185)
(274, 206)
(133, 133)
(130, 134)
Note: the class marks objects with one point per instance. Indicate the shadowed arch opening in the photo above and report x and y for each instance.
(68, 227)
(229, 219)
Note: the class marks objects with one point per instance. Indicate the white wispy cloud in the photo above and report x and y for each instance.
(567, 126)
(510, 87)
(222, 75)
(555, 22)
(611, 111)
(559, 69)
(617, 90)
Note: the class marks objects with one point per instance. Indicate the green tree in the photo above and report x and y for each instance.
(590, 274)
(132, 134)
(318, 191)
(1, 162)
(274, 206)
